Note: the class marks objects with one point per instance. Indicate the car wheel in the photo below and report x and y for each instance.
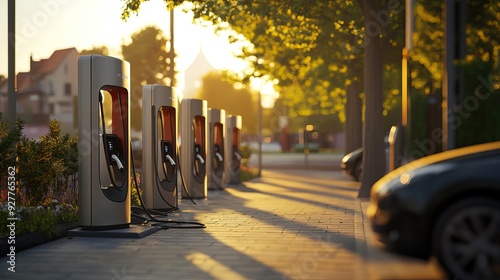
(466, 239)
(358, 170)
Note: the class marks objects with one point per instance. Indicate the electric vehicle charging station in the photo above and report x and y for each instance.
(159, 147)
(232, 149)
(103, 129)
(215, 148)
(193, 151)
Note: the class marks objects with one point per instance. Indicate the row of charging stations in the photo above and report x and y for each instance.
(224, 139)
(208, 155)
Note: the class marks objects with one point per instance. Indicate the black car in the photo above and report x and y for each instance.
(445, 206)
(352, 164)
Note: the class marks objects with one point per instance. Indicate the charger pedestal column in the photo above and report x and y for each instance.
(232, 149)
(103, 144)
(193, 151)
(215, 148)
(159, 142)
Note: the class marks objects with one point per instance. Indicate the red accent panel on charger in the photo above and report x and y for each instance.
(236, 137)
(199, 133)
(168, 115)
(218, 136)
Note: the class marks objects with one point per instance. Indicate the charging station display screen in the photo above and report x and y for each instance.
(113, 143)
(166, 148)
(111, 146)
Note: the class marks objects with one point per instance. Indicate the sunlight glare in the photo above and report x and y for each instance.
(212, 267)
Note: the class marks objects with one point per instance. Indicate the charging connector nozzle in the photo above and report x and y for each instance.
(170, 159)
(200, 158)
(118, 162)
(237, 155)
(219, 156)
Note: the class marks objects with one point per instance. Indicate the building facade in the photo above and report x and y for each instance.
(48, 91)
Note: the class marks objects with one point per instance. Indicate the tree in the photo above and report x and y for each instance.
(221, 94)
(295, 46)
(295, 40)
(147, 56)
(102, 50)
(474, 116)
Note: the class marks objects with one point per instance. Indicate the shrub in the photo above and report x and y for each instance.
(48, 167)
(9, 138)
(134, 196)
(41, 219)
(245, 153)
(46, 190)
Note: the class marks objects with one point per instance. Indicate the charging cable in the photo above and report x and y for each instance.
(162, 224)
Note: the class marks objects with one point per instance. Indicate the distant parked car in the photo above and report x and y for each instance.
(352, 164)
(446, 205)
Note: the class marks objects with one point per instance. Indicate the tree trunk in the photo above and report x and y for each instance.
(353, 111)
(373, 140)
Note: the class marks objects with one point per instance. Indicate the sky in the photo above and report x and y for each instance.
(43, 26)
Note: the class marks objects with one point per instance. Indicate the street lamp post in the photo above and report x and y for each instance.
(263, 85)
(260, 133)
(172, 51)
(11, 83)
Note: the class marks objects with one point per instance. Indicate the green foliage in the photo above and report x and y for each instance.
(247, 173)
(246, 153)
(312, 47)
(41, 219)
(477, 118)
(102, 50)
(47, 167)
(45, 170)
(419, 125)
(315, 49)
(425, 59)
(134, 195)
(9, 138)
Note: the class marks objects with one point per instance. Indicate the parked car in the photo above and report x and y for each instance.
(352, 164)
(445, 206)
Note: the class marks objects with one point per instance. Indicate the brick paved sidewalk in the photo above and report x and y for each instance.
(289, 224)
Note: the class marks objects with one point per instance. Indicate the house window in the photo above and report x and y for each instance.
(51, 88)
(67, 89)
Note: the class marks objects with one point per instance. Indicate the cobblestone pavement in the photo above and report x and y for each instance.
(288, 224)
